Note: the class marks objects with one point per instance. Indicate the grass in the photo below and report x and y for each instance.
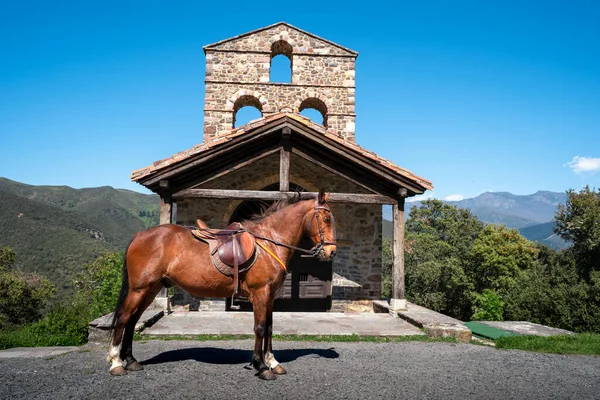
(583, 343)
(61, 326)
(28, 336)
(299, 338)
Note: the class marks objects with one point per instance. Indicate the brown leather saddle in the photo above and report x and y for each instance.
(232, 249)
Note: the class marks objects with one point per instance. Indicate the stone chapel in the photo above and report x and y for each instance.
(235, 171)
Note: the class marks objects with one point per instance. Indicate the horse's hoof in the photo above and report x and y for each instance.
(267, 375)
(279, 370)
(118, 371)
(134, 366)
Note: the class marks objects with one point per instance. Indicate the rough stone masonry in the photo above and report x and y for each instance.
(237, 75)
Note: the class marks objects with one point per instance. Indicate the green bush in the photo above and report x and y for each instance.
(66, 323)
(22, 296)
(61, 326)
(99, 283)
(488, 306)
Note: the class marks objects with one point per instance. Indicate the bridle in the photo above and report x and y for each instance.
(316, 249)
(314, 252)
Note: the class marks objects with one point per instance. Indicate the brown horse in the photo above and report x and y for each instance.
(169, 254)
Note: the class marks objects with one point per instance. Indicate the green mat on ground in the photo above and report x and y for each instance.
(486, 331)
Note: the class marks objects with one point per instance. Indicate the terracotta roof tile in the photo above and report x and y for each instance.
(199, 148)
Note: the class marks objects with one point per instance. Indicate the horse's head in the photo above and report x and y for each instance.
(320, 228)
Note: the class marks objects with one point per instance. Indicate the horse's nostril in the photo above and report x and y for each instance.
(333, 253)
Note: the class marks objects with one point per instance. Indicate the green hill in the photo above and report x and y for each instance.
(56, 229)
(544, 233)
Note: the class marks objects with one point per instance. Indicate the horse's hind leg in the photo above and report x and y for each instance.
(125, 312)
(131, 364)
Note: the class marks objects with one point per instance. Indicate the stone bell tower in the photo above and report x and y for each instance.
(237, 75)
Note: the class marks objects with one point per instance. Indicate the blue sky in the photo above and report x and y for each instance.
(474, 96)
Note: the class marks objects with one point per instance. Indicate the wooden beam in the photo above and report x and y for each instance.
(284, 169)
(166, 210)
(398, 300)
(271, 195)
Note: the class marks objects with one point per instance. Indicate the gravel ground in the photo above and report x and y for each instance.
(215, 370)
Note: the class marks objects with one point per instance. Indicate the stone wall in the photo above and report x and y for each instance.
(261, 41)
(360, 223)
(237, 75)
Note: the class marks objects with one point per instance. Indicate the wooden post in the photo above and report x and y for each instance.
(398, 302)
(166, 209)
(284, 160)
(284, 170)
(166, 213)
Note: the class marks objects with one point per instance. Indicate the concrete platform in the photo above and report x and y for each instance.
(285, 323)
(433, 323)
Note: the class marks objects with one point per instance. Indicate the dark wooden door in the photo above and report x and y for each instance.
(307, 286)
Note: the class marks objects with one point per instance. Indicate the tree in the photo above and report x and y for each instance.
(22, 296)
(386, 267)
(578, 221)
(7, 258)
(498, 256)
(552, 293)
(438, 239)
(456, 226)
(99, 283)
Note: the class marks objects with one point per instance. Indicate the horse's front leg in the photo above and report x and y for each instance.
(268, 349)
(260, 303)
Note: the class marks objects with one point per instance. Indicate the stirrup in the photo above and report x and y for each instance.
(233, 306)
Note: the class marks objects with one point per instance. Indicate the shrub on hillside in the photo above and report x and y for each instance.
(22, 296)
(99, 283)
(66, 323)
(488, 306)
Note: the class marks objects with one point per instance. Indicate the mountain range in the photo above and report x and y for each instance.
(56, 229)
(531, 214)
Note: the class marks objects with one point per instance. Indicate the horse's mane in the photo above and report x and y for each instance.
(276, 206)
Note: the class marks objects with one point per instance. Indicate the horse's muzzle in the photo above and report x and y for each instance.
(325, 255)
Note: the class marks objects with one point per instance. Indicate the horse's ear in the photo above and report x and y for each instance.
(323, 197)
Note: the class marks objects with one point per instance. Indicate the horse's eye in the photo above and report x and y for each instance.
(327, 219)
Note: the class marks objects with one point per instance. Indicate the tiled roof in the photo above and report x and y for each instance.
(203, 147)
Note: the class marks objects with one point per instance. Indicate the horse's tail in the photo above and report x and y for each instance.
(123, 292)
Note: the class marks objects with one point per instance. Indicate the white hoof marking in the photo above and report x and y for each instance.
(270, 360)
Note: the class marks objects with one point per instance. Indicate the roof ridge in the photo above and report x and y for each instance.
(292, 116)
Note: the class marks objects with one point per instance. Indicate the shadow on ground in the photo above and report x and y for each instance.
(213, 355)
